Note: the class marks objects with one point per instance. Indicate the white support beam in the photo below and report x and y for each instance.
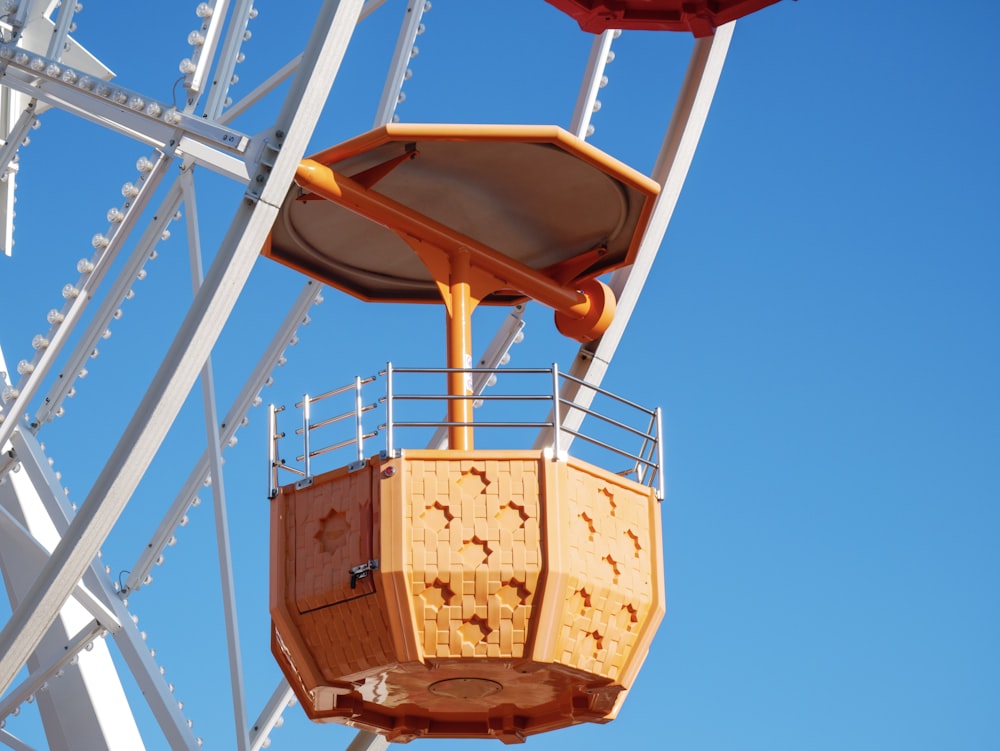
(85, 705)
(275, 80)
(119, 291)
(365, 741)
(125, 111)
(14, 130)
(269, 716)
(191, 347)
(155, 690)
(593, 81)
(40, 35)
(408, 31)
(109, 105)
(30, 686)
(8, 459)
(12, 742)
(77, 303)
(670, 170)
(225, 164)
(26, 10)
(47, 492)
(62, 28)
(247, 398)
(228, 57)
(223, 547)
(206, 52)
(17, 114)
(51, 496)
(34, 555)
(285, 72)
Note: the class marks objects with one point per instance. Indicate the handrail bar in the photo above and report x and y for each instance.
(505, 370)
(334, 392)
(477, 424)
(604, 392)
(334, 447)
(646, 461)
(483, 397)
(337, 418)
(293, 470)
(603, 445)
(609, 420)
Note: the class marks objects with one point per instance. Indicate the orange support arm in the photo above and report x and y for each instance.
(323, 181)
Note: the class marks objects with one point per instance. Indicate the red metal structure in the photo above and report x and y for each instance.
(700, 17)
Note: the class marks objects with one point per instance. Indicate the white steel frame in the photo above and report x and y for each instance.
(70, 571)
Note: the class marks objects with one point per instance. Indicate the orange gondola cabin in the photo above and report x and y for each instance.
(459, 591)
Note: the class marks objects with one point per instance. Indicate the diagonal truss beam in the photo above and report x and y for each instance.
(671, 168)
(218, 487)
(190, 349)
(157, 692)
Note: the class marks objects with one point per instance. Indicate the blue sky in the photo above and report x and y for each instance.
(819, 327)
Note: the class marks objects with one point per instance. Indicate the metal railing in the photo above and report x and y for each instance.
(356, 435)
(618, 430)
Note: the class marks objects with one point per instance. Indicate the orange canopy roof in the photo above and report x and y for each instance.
(537, 195)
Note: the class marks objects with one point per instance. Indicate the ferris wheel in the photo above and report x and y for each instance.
(455, 216)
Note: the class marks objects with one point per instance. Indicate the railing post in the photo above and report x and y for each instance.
(388, 410)
(359, 433)
(305, 434)
(661, 489)
(272, 452)
(647, 452)
(556, 412)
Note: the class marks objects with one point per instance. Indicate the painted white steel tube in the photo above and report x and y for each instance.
(198, 333)
(673, 162)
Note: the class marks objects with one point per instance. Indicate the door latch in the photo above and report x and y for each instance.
(361, 571)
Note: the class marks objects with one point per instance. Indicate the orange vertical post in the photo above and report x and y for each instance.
(459, 353)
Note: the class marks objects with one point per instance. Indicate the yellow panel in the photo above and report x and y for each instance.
(613, 564)
(475, 555)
